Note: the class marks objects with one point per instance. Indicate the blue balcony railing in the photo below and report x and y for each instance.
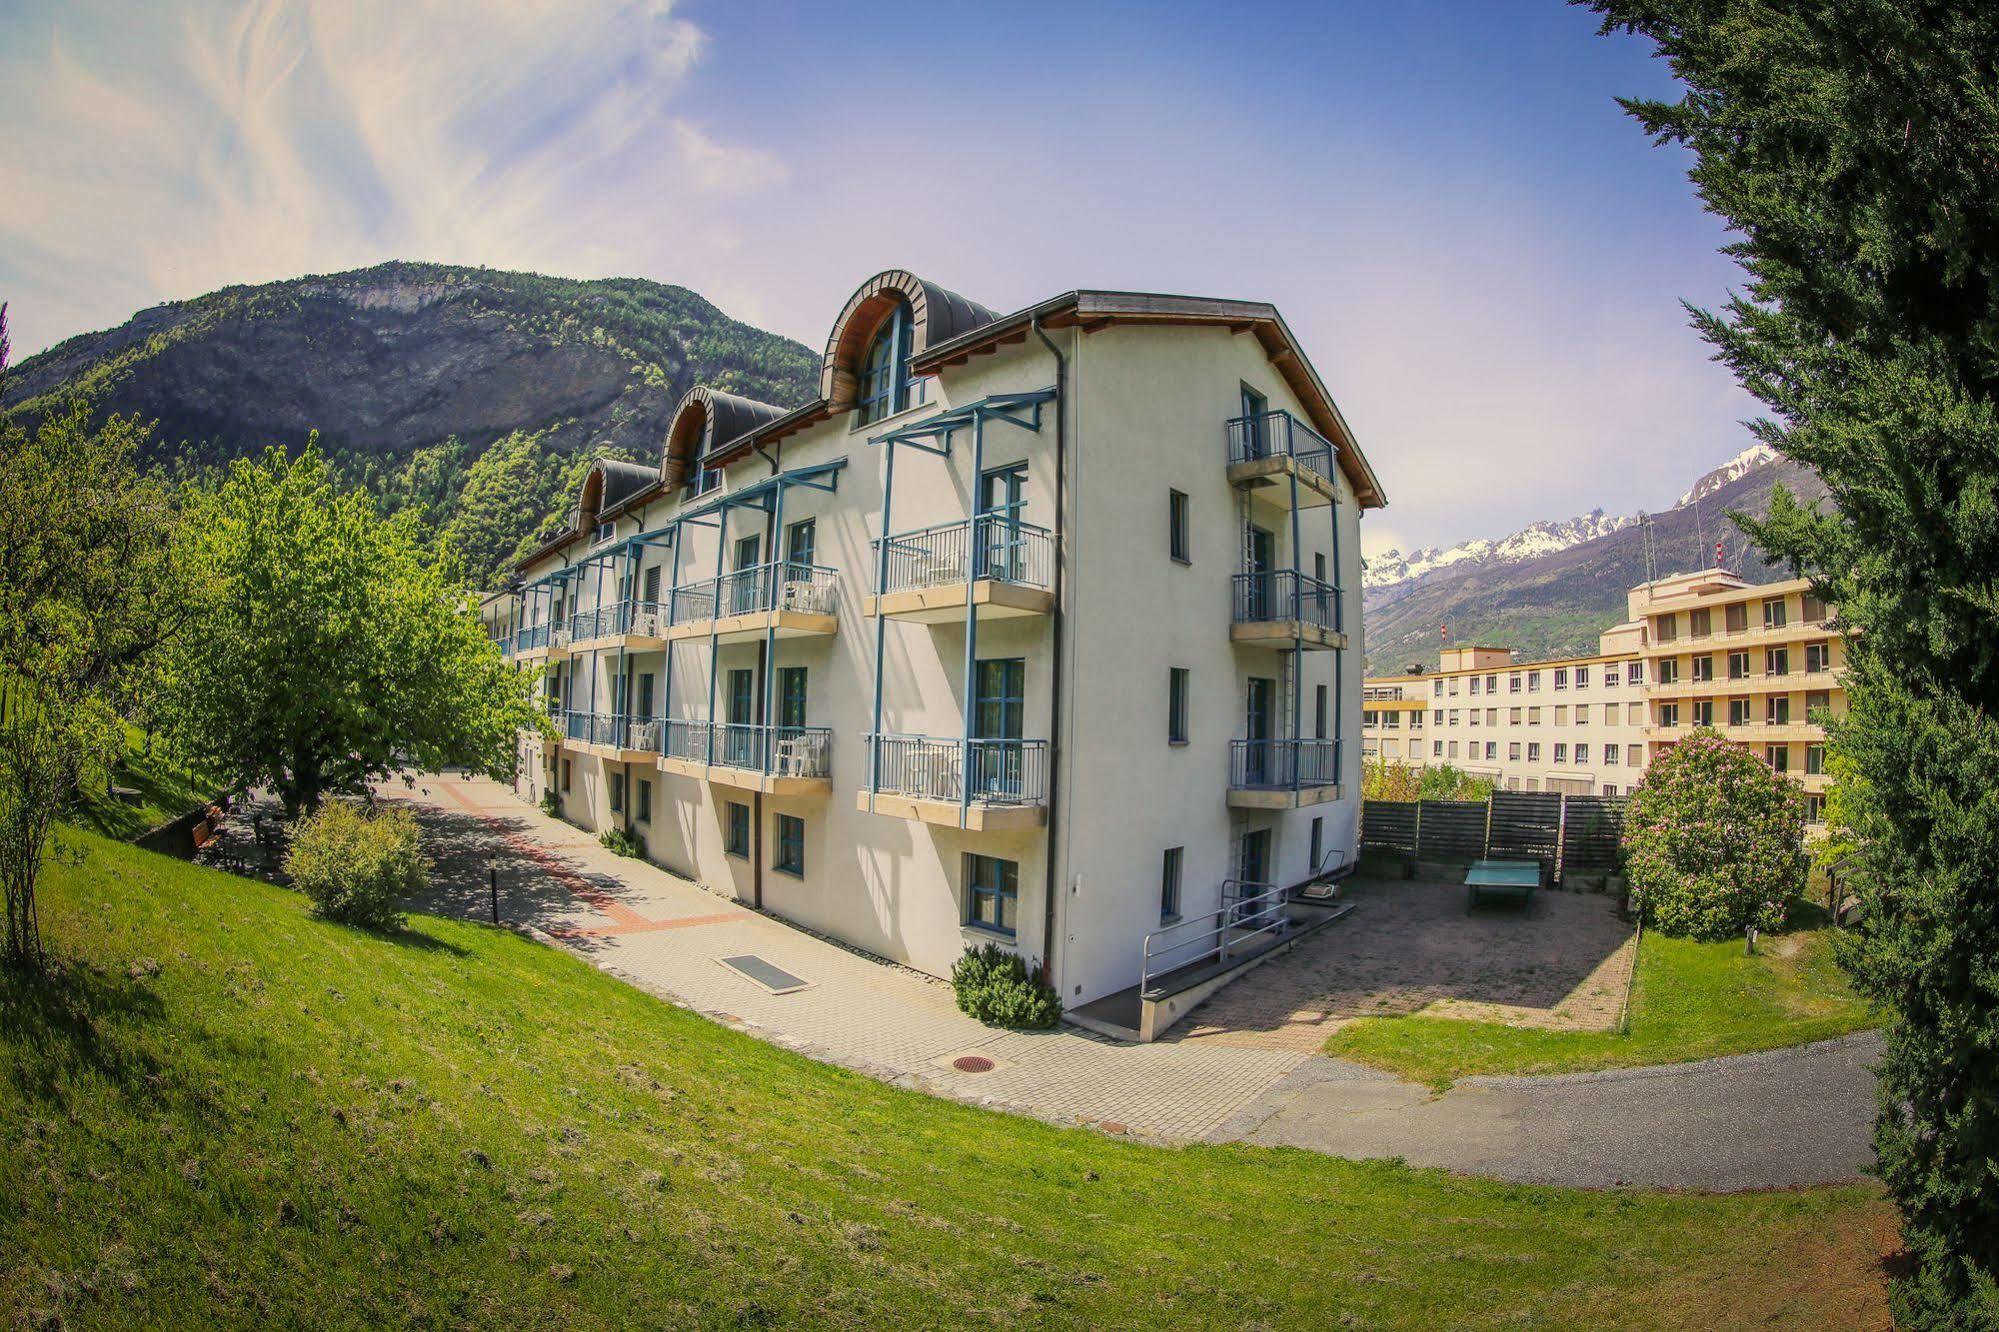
(784, 585)
(996, 546)
(1279, 435)
(780, 751)
(1285, 594)
(1283, 765)
(1000, 772)
(590, 728)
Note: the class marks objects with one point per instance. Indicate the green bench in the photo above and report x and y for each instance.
(1515, 879)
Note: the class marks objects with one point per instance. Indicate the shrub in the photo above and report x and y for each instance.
(551, 804)
(994, 985)
(356, 866)
(622, 842)
(1714, 841)
(1384, 779)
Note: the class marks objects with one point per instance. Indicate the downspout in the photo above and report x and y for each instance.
(1052, 881)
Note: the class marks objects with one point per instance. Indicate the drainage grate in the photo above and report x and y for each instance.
(775, 979)
(972, 1064)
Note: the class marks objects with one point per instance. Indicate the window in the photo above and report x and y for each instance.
(1610, 714)
(1533, 716)
(1610, 676)
(1319, 567)
(1437, 688)
(1582, 714)
(1533, 682)
(790, 845)
(1367, 719)
(1634, 756)
(1703, 669)
(1818, 657)
(1700, 623)
(1582, 754)
(1814, 809)
(791, 698)
(1561, 753)
(1176, 705)
(1738, 712)
(991, 888)
(1513, 716)
(884, 376)
(617, 793)
(1582, 677)
(1669, 670)
(1669, 714)
(1817, 703)
(1773, 613)
(1776, 661)
(1513, 683)
(1561, 677)
(1666, 628)
(1473, 719)
(1738, 665)
(1778, 757)
(1562, 715)
(1533, 751)
(1416, 721)
(1177, 542)
(1813, 610)
(1735, 617)
(1436, 749)
(1318, 843)
(801, 544)
(1703, 711)
(1438, 717)
(651, 585)
(1513, 750)
(565, 774)
(1777, 710)
(1634, 673)
(1610, 757)
(736, 829)
(1454, 749)
(645, 801)
(1814, 760)
(1492, 749)
(1319, 699)
(1492, 716)
(603, 532)
(1472, 686)
(1454, 686)
(1491, 684)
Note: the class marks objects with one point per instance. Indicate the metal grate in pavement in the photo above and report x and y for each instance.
(773, 978)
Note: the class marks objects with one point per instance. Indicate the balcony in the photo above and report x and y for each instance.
(1271, 450)
(790, 598)
(1727, 686)
(633, 625)
(531, 642)
(775, 760)
(1284, 608)
(1283, 774)
(993, 561)
(978, 785)
(591, 732)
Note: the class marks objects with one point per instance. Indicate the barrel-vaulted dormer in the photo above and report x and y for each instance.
(706, 419)
(892, 317)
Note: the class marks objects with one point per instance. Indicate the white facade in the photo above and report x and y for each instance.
(1130, 405)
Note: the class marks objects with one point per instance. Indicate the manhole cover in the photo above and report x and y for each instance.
(972, 1064)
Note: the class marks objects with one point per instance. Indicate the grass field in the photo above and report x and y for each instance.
(1688, 1001)
(166, 789)
(224, 1111)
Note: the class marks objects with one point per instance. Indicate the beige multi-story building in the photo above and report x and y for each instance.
(1761, 663)
(1575, 725)
(1028, 627)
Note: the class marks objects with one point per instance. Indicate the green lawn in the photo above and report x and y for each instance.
(166, 790)
(1689, 1001)
(228, 1112)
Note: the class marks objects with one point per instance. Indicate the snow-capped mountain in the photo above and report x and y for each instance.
(1543, 538)
(1741, 465)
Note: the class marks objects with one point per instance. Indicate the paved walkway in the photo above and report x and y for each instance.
(1793, 1117)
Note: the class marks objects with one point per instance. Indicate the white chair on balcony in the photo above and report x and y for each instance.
(794, 757)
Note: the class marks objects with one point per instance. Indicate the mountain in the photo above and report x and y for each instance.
(474, 396)
(1550, 589)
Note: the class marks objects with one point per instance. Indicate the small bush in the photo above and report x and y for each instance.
(551, 803)
(622, 842)
(1714, 841)
(357, 867)
(995, 986)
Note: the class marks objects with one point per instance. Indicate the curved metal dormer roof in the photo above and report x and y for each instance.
(937, 314)
(705, 420)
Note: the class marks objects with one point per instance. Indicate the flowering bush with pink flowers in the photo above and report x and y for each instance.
(1714, 841)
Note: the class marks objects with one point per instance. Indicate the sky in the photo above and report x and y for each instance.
(1481, 253)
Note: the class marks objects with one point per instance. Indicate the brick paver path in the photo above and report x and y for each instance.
(1564, 962)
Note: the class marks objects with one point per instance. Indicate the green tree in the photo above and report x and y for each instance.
(1714, 841)
(1853, 147)
(328, 645)
(85, 598)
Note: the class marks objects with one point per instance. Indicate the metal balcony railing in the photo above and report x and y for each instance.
(780, 751)
(685, 740)
(590, 728)
(994, 546)
(530, 638)
(785, 585)
(1249, 911)
(1283, 765)
(642, 733)
(999, 772)
(1285, 594)
(1279, 434)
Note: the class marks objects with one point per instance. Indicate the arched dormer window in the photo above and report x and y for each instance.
(884, 387)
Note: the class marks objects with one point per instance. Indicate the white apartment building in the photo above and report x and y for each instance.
(1574, 725)
(1029, 627)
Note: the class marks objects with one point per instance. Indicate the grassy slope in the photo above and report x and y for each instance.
(167, 789)
(1689, 1001)
(292, 1122)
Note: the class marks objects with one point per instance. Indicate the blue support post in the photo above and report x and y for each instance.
(770, 626)
(971, 620)
(881, 626)
(1297, 618)
(672, 591)
(714, 620)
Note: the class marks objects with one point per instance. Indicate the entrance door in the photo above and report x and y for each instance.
(743, 588)
(791, 697)
(999, 541)
(1257, 729)
(999, 700)
(1255, 864)
(739, 739)
(1259, 558)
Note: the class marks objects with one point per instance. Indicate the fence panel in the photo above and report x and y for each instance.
(1593, 833)
(1526, 826)
(1453, 831)
(1388, 828)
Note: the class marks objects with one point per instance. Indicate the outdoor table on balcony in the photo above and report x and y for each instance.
(1511, 878)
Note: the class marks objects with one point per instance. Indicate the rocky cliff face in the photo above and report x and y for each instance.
(421, 367)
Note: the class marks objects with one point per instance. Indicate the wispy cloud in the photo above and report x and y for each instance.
(161, 153)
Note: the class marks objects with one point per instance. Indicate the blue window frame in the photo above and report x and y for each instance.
(999, 699)
(991, 891)
(737, 841)
(790, 697)
(884, 377)
(790, 845)
(801, 541)
(1169, 885)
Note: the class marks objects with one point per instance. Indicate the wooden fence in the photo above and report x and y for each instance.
(1563, 832)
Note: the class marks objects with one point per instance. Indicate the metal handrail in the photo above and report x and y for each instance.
(1285, 594)
(1283, 765)
(995, 546)
(1248, 910)
(926, 767)
(782, 751)
(1278, 434)
(644, 734)
(590, 728)
(687, 740)
(781, 585)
